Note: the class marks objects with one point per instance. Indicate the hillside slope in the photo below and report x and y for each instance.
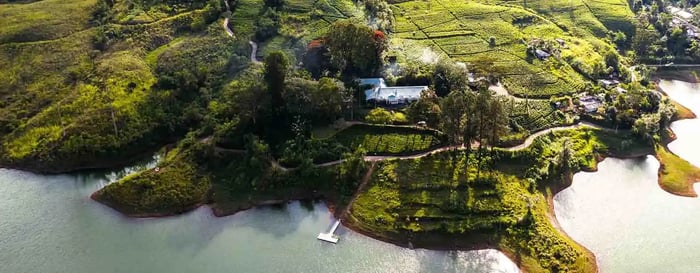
(494, 37)
(99, 87)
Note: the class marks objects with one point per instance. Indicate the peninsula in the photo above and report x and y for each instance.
(428, 124)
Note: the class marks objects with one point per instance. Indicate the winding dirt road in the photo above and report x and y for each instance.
(253, 51)
(528, 141)
(253, 45)
(374, 158)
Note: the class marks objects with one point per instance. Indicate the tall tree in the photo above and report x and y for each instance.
(427, 109)
(448, 77)
(354, 48)
(277, 127)
(328, 99)
(481, 108)
(454, 116)
(563, 160)
(275, 74)
(497, 122)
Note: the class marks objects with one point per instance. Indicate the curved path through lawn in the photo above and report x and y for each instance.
(373, 158)
(522, 146)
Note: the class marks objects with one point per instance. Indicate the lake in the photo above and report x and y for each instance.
(49, 224)
(622, 215)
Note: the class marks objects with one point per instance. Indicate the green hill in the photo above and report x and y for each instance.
(494, 35)
(87, 87)
(92, 83)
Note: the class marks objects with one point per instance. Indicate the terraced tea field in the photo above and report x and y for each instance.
(493, 36)
(300, 22)
(439, 193)
(534, 115)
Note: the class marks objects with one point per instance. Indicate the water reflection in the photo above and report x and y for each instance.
(49, 224)
(622, 215)
(687, 131)
(629, 223)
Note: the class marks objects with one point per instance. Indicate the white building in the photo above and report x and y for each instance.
(394, 95)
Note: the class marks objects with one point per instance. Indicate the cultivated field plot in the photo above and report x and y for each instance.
(439, 193)
(389, 140)
(300, 22)
(534, 115)
(497, 33)
(596, 17)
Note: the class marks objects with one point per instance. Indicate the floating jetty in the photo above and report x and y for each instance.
(330, 235)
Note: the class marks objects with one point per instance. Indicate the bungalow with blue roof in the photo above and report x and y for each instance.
(390, 95)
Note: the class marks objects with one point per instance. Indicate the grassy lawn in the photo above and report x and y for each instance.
(44, 20)
(682, 112)
(389, 140)
(676, 175)
(175, 188)
(534, 115)
(438, 194)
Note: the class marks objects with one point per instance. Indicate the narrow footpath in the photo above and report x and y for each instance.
(363, 184)
(375, 158)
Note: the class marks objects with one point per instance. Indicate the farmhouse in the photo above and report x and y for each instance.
(608, 83)
(590, 103)
(378, 92)
(682, 13)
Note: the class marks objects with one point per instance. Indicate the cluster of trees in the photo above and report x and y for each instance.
(468, 117)
(270, 102)
(379, 14)
(350, 48)
(383, 116)
(643, 111)
(656, 39)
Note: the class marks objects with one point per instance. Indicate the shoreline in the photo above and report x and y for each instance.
(438, 242)
(96, 166)
(668, 136)
(467, 242)
(686, 75)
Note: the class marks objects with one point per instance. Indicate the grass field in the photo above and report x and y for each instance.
(534, 115)
(44, 20)
(438, 194)
(439, 198)
(64, 102)
(676, 175)
(386, 140)
(461, 30)
(300, 22)
(175, 188)
(443, 200)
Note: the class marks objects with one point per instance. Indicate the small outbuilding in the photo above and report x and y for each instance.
(541, 54)
(608, 83)
(561, 41)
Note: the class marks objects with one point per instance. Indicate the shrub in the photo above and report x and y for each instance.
(379, 116)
